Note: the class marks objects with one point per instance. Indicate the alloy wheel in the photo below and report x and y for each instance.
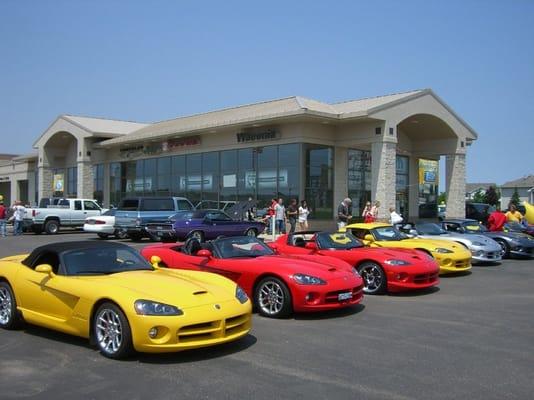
(109, 331)
(372, 276)
(5, 306)
(271, 298)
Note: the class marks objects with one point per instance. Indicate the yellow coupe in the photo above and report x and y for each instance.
(451, 257)
(108, 293)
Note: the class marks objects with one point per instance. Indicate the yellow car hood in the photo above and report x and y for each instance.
(182, 290)
(429, 244)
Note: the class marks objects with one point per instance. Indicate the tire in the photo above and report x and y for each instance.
(135, 237)
(505, 248)
(272, 298)
(120, 234)
(374, 278)
(199, 235)
(9, 315)
(111, 332)
(251, 232)
(51, 226)
(103, 235)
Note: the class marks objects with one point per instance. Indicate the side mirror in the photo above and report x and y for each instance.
(369, 238)
(204, 253)
(155, 260)
(44, 269)
(413, 232)
(311, 246)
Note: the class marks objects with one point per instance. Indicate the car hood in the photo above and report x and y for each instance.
(320, 266)
(470, 238)
(169, 286)
(429, 244)
(516, 236)
(392, 253)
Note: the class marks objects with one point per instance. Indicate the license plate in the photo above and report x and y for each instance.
(344, 296)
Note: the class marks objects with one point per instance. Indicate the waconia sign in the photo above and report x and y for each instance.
(269, 134)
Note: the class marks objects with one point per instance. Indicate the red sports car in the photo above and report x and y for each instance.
(382, 269)
(278, 285)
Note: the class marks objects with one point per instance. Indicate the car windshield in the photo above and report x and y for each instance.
(241, 247)
(103, 261)
(430, 229)
(515, 226)
(389, 233)
(109, 213)
(474, 227)
(337, 241)
(181, 216)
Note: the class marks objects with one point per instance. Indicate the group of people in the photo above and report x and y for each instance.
(14, 213)
(292, 214)
(497, 218)
(369, 213)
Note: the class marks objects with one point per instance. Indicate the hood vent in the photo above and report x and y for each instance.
(200, 292)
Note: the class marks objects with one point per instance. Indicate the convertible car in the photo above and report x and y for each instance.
(482, 248)
(278, 285)
(110, 294)
(382, 270)
(451, 257)
(517, 227)
(202, 225)
(512, 243)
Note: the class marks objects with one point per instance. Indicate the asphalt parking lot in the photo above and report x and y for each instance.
(473, 338)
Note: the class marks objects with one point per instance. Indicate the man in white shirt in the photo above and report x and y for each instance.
(394, 217)
(18, 214)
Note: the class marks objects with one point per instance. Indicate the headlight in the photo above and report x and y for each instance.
(241, 295)
(477, 244)
(397, 262)
(304, 279)
(442, 250)
(147, 307)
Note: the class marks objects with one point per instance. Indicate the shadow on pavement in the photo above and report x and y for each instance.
(339, 313)
(416, 293)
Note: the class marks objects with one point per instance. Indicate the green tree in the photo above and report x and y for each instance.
(479, 196)
(515, 200)
(442, 198)
(492, 197)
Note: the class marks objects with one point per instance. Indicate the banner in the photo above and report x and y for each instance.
(59, 182)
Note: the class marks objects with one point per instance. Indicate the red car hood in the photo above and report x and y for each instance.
(319, 266)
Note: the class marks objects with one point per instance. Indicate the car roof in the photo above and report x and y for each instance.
(61, 247)
(368, 225)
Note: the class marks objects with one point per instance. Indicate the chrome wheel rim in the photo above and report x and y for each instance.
(372, 277)
(109, 331)
(271, 298)
(5, 306)
(52, 228)
(251, 233)
(503, 249)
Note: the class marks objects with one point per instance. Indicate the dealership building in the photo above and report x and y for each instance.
(383, 148)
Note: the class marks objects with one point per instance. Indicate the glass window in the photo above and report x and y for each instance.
(289, 171)
(157, 204)
(359, 179)
(184, 205)
(115, 189)
(164, 175)
(77, 205)
(150, 176)
(267, 177)
(246, 175)
(98, 183)
(91, 206)
(192, 181)
(210, 176)
(178, 176)
(319, 180)
(72, 181)
(129, 205)
(228, 176)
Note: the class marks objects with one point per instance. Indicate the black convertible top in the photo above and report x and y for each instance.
(61, 247)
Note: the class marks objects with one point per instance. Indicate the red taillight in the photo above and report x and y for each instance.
(99, 222)
(33, 213)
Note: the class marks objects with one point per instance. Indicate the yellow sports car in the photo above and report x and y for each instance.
(451, 257)
(108, 293)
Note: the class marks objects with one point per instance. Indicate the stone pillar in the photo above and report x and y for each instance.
(455, 178)
(383, 173)
(413, 187)
(341, 183)
(85, 180)
(46, 180)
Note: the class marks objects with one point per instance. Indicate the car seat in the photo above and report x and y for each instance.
(300, 242)
(192, 246)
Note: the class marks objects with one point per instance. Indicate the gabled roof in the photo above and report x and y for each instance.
(472, 187)
(271, 110)
(526, 181)
(103, 125)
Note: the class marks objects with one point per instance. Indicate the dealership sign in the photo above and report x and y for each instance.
(269, 134)
(158, 148)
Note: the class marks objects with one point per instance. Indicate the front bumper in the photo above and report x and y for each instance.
(410, 279)
(450, 265)
(310, 298)
(162, 234)
(198, 327)
(523, 251)
(481, 254)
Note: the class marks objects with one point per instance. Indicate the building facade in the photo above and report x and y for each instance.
(383, 148)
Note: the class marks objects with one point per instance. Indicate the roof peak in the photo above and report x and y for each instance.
(383, 95)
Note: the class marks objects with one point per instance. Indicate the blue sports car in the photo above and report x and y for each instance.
(202, 225)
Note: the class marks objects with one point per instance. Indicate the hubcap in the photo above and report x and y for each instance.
(251, 232)
(5, 306)
(503, 249)
(372, 277)
(109, 331)
(271, 298)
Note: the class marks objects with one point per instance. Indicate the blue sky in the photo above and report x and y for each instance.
(149, 61)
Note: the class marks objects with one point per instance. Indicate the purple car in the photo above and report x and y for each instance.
(202, 225)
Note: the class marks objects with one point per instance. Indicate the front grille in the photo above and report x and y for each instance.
(425, 278)
(493, 254)
(461, 263)
(332, 297)
(206, 331)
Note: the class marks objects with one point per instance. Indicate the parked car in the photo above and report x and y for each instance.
(451, 257)
(66, 213)
(482, 248)
(382, 270)
(517, 227)
(135, 213)
(202, 225)
(428, 210)
(278, 285)
(214, 205)
(103, 225)
(108, 293)
(478, 211)
(512, 243)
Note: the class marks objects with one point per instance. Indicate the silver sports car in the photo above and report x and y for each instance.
(483, 249)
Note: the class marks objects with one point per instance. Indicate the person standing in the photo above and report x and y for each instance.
(394, 217)
(304, 211)
(280, 216)
(366, 213)
(292, 214)
(374, 210)
(344, 213)
(496, 220)
(3, 220)
(18, 215)
(513, 215)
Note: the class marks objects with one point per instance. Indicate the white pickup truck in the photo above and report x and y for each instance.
(68, 213)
